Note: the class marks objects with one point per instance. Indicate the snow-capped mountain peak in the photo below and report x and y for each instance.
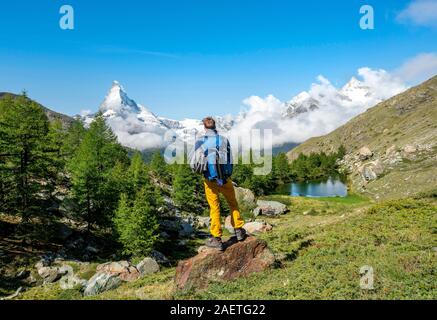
(356, 90)
(117, 101)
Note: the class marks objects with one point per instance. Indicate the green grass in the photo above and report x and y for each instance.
(321, 244)
(323, 257)
(349, 199)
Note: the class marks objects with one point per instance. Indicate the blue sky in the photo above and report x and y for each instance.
(191, 58)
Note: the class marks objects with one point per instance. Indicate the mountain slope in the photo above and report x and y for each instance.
(51, 115)
(400, 140)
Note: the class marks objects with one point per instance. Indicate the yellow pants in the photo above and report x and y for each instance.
(212, 191)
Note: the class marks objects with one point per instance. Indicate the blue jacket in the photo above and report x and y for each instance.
(217, 150)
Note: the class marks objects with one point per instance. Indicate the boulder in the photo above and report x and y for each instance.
(50, 274)
(70, 280)
(257, 227)
(238, 260)
(114, 267)
(159, 257)
(122, 269)
(372, 170)
(131, 274)
(245, 197)
(408, 149)
(101, 282)
(269, 208)
(203, 222)
(365, 153)
(147, 266)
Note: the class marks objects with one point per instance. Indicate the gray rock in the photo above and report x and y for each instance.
(203, 222)
(371, 171)
(257, 227)
(365, 153)
(159, 257)
(186, 229)
(147, 266)
(101, 282)
(269, 208)
(113, 267)
(49, 274)
(70, 280)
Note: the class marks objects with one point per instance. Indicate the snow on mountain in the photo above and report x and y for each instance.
(314, 112)
(137, 127)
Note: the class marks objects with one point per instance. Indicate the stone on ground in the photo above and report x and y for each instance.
(269, 208)
(238, 260)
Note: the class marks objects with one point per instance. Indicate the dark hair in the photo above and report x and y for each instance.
(209, 123)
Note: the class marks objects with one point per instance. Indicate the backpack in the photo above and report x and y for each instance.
(215, 165)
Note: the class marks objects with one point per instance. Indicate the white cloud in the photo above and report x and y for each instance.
(419, 68)
(133, 133)
(420, 12)
(336, 107)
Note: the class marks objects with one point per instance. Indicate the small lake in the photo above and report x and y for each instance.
(332, 187)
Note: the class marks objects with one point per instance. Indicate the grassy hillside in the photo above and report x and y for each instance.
(402, 135)
(321, 245)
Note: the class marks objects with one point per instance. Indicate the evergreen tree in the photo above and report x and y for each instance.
(24, 129)
(139, 178)
(185, 188)
(281, 168)
(91, 168)
(73, 139)
(136, 224)
(137, 172)
(159, 167)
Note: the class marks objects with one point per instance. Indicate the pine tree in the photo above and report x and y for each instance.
(185, 186)
(136, 224)
(281, 168)
(137, 172)
(91, 167)
(159, 167)
(73, 139)
(24, 129)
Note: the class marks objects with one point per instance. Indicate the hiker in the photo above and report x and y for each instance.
(212, 157)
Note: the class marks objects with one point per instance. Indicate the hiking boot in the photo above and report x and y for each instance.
(241, 234)
(215, 243)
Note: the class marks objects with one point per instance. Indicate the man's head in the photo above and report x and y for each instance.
(209, 123)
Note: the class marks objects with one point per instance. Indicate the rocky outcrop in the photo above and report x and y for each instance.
(111, 274)
(101, 282)
(371, 170)
(238, 260)
(269, 208)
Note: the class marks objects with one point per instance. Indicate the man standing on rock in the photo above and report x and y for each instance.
(212, 157)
